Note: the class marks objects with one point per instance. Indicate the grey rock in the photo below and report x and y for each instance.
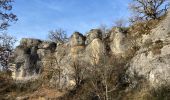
(119, 42)
(47, 45)
(29, 58)
(154, 67)
(95, 51)
(77, 39)
(30, 42)
(93, 34)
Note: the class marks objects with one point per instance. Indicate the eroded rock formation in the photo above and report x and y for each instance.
(151, 61)
(29, 57)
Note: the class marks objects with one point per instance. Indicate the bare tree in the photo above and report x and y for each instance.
(144, 9)
(7, 41)
(53, 71)
(58, 36)
(6, 16)
(80, 71)
(120, 23)
(101, 77)
(104, 29)
(6, 49)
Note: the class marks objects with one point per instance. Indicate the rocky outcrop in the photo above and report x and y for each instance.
(93, 34)
(28, 42)
(120, 44)
(33, 56)
(77, 43)
(152, 61)
(95, 51)
(77, 39)
(29, 57)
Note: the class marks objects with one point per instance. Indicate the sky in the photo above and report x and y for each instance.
(38, 17)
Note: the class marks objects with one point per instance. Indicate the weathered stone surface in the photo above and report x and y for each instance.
(47, 45)
(77, 39)
(119, 43)
(95, 51)
(64, 59)
(152, 62)
(67, 55)
(26, 62)
(77, 42)
(30, 42)
(93, 34)
(29, 57)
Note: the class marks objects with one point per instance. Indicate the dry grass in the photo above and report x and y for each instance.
(45, 93)
(144, 27)
(27, 90)
(140, 28)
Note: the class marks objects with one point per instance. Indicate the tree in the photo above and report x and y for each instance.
(79, 70)
(120, 23)
(148, 9)
(6, 16)
(7, 41)
(58, 36)
(6, 49)
(104, 29)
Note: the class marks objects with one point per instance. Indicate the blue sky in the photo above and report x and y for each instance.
(37, 17)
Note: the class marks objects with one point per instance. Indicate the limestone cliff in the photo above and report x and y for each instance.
(151, 61)
(33, 56)
(29, 57)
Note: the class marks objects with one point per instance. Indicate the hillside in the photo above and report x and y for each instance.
(119, 66)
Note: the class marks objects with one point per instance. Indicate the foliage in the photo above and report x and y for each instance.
(6, 49)
(6, 16)
(7, 41)
(79, 72)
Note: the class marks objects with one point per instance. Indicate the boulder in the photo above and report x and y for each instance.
(77, 39)
(95, 51)
(30, 42)
(77, 45)
(29, 57)
(47, 45)
(93, 34)
(117, 44)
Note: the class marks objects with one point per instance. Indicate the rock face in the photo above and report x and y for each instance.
(30, 42)
(32, 56)
(119, 43)
(28, 57)
(77, 43)
(93, 34)
(152, 61)
(77, 39)
(95, 51)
